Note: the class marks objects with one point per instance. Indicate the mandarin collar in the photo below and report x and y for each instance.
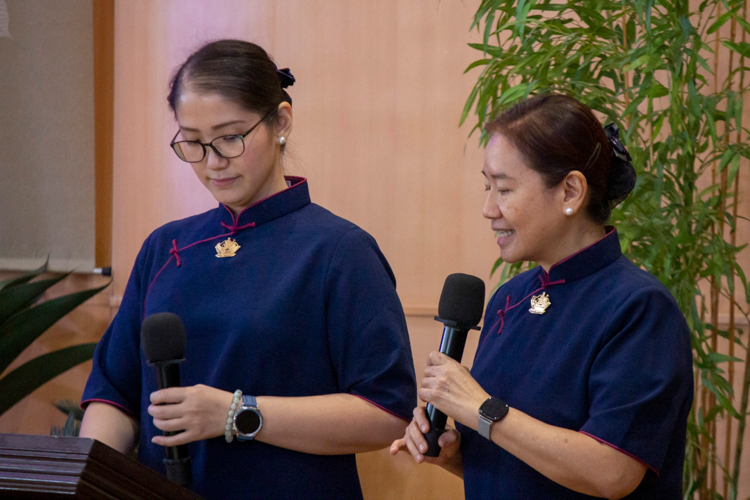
(585, 262)
(296, 196)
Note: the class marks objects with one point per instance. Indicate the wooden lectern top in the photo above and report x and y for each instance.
(41, 467)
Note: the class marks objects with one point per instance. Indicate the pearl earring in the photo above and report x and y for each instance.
(568, 211)
(282, 140)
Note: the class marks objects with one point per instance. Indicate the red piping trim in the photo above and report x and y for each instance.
(545, 284)
(85, 403)
(174, 252)
(145, 299)
(234, 228)
(581, 250)
(300, 181)
(384, 409)
(620, 450)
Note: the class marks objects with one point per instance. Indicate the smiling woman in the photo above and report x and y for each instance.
(297, 355)
(582, 380)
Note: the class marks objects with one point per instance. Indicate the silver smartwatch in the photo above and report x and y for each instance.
(491, 411)
(247, 420)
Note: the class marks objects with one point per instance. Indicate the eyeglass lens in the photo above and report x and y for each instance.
(228, 146)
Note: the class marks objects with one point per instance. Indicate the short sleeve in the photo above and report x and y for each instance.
(641, 383)
(116, 372)
(366, 328)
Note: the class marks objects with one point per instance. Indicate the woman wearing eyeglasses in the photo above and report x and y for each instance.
(297, 352)
(582, 381)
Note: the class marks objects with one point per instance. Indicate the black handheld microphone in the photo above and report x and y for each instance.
(163, 343)
(460, 309)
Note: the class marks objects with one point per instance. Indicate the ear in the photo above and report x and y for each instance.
(574, 189)
(284, 120)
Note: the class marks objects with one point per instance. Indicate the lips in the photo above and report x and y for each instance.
(223, 182)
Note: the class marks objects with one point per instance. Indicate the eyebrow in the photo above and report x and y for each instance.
(215, 127)
(497, 177)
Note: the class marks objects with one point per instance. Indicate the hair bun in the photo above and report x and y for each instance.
(621, 172)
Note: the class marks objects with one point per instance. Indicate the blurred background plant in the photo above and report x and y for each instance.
(74, 414)
(652, 67)
(23, 318)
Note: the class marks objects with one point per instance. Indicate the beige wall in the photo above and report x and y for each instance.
(379, 94)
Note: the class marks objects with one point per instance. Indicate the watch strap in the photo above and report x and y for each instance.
(484, 426)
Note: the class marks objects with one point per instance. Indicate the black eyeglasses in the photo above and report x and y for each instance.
(226, 146)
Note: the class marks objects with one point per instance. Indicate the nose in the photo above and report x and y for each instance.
(491, 210)
(214, 161)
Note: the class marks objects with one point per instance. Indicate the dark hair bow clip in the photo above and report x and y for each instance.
(286, 78)
(618, 149)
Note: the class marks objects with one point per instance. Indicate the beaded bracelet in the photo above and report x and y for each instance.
(228, 434)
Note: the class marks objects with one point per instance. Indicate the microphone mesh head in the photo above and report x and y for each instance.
(163, 337)
(462, 299)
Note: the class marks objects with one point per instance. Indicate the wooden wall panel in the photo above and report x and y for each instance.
(104, 109)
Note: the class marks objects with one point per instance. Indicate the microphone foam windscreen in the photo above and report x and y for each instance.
(462, 299)
(163, 337)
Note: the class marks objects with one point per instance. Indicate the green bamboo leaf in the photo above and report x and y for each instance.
(496, 265)
(22, 329)
(521, 13)
(687, 28)
(649, 6)
(738, 108)
(720, 21)
(742, 48)
(479, 62)
(17, 298)
(734, 166)
(24, 278)
(657, 90)
(23, 380)
(726, 158)
(514, 93)
(488, 28)
(717, 357)
(745, 25)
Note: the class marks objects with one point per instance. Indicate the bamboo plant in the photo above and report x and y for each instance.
(22, 320)
(651, 66)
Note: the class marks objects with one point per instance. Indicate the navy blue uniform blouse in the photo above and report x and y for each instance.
(610, 358)
(307, 306)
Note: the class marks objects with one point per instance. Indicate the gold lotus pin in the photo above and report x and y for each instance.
(539, 303)
(227, 248)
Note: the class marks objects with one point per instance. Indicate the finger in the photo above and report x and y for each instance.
(429, 382)
(172, 425)
(398, 445)
(425, 395)
(449, 437)
(412, 448)
(416, 436)
(165, 411)
(176, 440)
(169, 395)
(420, 418)
(436, 358)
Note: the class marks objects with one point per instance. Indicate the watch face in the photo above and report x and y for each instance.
(247, 421)
(494, 409)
